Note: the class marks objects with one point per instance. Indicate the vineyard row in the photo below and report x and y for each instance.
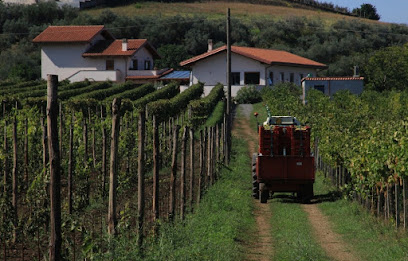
(153, 180)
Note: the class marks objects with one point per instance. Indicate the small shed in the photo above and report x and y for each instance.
(331, 85)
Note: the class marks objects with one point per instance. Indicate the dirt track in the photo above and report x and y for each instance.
(262, 248)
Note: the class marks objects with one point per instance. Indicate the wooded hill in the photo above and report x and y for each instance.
(181, 30)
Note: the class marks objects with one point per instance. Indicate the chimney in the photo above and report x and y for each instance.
(124, 45)
(210, 45)
(356, 72)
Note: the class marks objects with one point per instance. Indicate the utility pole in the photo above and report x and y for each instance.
(229, 120)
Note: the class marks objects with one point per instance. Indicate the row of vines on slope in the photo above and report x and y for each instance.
(84, 129)
(360, 141)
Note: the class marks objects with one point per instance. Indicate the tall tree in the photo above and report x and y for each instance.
(367, 11)
(387, 69)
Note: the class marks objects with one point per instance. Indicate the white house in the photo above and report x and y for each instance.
(331, 85)
(77, 53)
(249, 66)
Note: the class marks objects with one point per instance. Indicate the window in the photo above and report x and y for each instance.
(134, 64)
(235, 78)
(292, 77)
(110, 65)
(282, 77)
(252, 78)
(147, 65)
(270, 79)
(319, 88)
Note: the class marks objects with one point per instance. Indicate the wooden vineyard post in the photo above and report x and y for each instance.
(380, 200)
(14, 180)
(26, 153)
(173, 177)
(85, 139)
(214, 154)
(44, 145)
(112, 221)
(55, 168)
(103, 155)
(397, 205)
(61, 129)
(155, 206)
(93, 143)
(209, 157)
(191, 169)
(200, 178)
(5, 149)
(217, 141)
(70, 163)
(225, 134)
(140, 176)
(405, 201)
(183, 174)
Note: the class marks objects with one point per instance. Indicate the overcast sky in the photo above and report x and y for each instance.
(393, 11)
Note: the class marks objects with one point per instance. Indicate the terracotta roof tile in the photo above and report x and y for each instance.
(68, 34)
(115, 48)
(273, 57)
(333, 79)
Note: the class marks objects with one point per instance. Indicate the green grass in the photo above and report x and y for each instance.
(216, 229)
(369, 237)
(217, 10)
(262, 114)
(292, 233)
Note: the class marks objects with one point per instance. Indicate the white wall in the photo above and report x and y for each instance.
(287, 70)
(142, 55)
(212, 70)
(65, 60)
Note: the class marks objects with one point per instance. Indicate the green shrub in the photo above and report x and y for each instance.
(248, 94)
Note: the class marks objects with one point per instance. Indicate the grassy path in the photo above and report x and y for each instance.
(301, 232)
(261, 246)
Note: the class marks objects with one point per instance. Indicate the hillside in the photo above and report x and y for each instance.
(180, 30)
(216, 9)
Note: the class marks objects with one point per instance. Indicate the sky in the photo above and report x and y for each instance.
(392, 11)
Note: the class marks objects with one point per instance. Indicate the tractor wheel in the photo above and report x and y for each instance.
(263, 193)
(307, 193)
(255, 186)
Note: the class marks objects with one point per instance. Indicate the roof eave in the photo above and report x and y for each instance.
(323, 66)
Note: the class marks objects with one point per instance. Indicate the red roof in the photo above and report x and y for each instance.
(267, 56)
(333, 79)
(69, 34)
(115, 48)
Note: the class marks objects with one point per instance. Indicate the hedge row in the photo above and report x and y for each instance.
(12, 91)
(42, 101)
(166, 92)
(102, 94)
(202, 108)
(64, 95)
(133, 94)
(164, 109)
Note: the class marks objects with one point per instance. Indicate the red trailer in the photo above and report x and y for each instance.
(283, 162)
